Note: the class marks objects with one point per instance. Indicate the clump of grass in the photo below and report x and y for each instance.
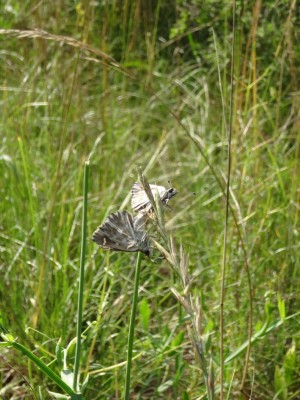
(60, 94)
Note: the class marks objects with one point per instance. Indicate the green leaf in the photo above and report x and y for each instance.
(144, 313)
(289, 364)
(280, 384)
(85, 383)
(166, 385)
(176, 342)
(209, 326)
(185, 396)
(281, 307)
(269, 308)
(58, 395)
(7, 337)
(40, 394)
(70, 350)
(3, 330)
(5, 344)
(59, 354)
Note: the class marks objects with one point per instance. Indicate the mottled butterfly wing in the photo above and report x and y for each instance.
(120, 233)
(116, 232)
(139, 198)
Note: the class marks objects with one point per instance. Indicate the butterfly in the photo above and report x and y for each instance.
(123, 232)
(140, 201)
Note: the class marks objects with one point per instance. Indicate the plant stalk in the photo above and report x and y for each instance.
(81, 275)
(224, 261)
(132, 325)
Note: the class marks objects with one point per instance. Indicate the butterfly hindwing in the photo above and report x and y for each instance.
(120, 233)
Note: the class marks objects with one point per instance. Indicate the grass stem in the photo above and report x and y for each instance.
(81, 274)
(132, 324)
(222, 295)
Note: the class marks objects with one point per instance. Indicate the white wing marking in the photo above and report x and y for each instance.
(139, 198)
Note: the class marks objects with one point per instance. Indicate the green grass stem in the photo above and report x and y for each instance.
(81, 274)
(26, 168)
(224, 261)
(131, 325)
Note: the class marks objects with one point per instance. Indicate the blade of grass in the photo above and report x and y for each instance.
(32, 207)
(81, 274)
(131, 325)
(223, 273)
(220, 83)
(244, 249)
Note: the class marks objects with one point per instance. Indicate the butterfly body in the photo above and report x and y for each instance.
(140, 201)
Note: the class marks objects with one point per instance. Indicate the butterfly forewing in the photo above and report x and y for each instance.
(140, 201)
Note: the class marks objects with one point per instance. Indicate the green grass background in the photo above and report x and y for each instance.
(119, 82)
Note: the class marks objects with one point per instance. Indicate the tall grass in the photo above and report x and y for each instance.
(139, 84)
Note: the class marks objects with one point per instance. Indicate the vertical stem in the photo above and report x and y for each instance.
(132, 324)
(81, 274)
(220, 84)
(28, 187)
(222, 296)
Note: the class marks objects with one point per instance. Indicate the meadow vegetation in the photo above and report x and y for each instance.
(133, 82)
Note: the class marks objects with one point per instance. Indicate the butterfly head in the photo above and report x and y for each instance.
(168, 195)
(172, 192)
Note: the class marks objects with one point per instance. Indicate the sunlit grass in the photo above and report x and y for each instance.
(59, 103)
